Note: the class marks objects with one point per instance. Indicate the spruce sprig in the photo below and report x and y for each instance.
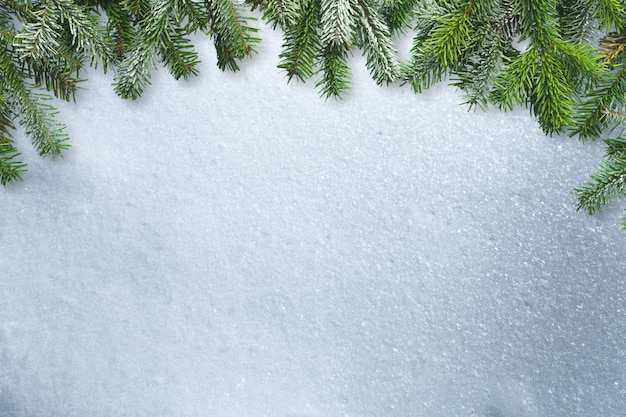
(398, 14)
(319, 35)
(233, 37)
(338, 21)
(375, 40)
(607, 182)
(31, 108)
(301, 43)
(10, 168)
(278, 13)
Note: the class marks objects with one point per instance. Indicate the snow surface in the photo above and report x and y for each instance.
(235, 246)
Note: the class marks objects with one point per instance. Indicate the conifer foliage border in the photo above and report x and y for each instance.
(561, 59)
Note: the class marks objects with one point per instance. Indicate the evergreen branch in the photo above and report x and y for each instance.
(450, 39)
(335, 78)
(338, 21)
(477, 76)
(134, 72)
(135, 7)
(610, 13)
(84, 31)
(381, 55)
(616, 148)
(580, 63)
(454, 32)
(398, 14)
(10, 169)
(195, 14)
(36, 116)
(591, 116)
(232, 36)
(550, 73)
(39, 122)
(282, 13)
(422, 70)
(608, 182)
(301, 45)
(178, 54)
(577, 21)
(488, 52)
(553, 102)
(38, 38)
(515, 83)
(60, 82)
(506, 21)
(120, 31)
(6, 123)
(538, 21)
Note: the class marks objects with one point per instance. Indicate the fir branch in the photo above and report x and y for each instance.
(136, 7)
(610, 13)
(282, 13)
(338, 20)
(608, 182)
(194, 13)
(582, 65)
(550, 73)
(301, 44)
(616, 148)
(134, 71)
(375, 39)
(60, 81)
(232, 35)
(477, 76)
(35, 115)
(591, 119)
(119, 30)
(10, 169)
(178, 54)
(84, 30)
(38, 37)
(515, 83)
(422, 69)
(613, 48)
(553, 102)
(6, 119)
(38, 118)
(577, 21)
(456, 31)
(490, 51)
(335, 79)
(398, 14)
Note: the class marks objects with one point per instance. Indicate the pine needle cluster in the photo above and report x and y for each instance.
(319, 35)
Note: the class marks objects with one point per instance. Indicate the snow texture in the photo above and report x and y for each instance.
(235, 246)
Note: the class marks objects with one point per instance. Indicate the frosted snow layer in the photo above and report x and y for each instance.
(235, 246)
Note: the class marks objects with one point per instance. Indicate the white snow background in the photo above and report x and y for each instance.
(235, 246)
